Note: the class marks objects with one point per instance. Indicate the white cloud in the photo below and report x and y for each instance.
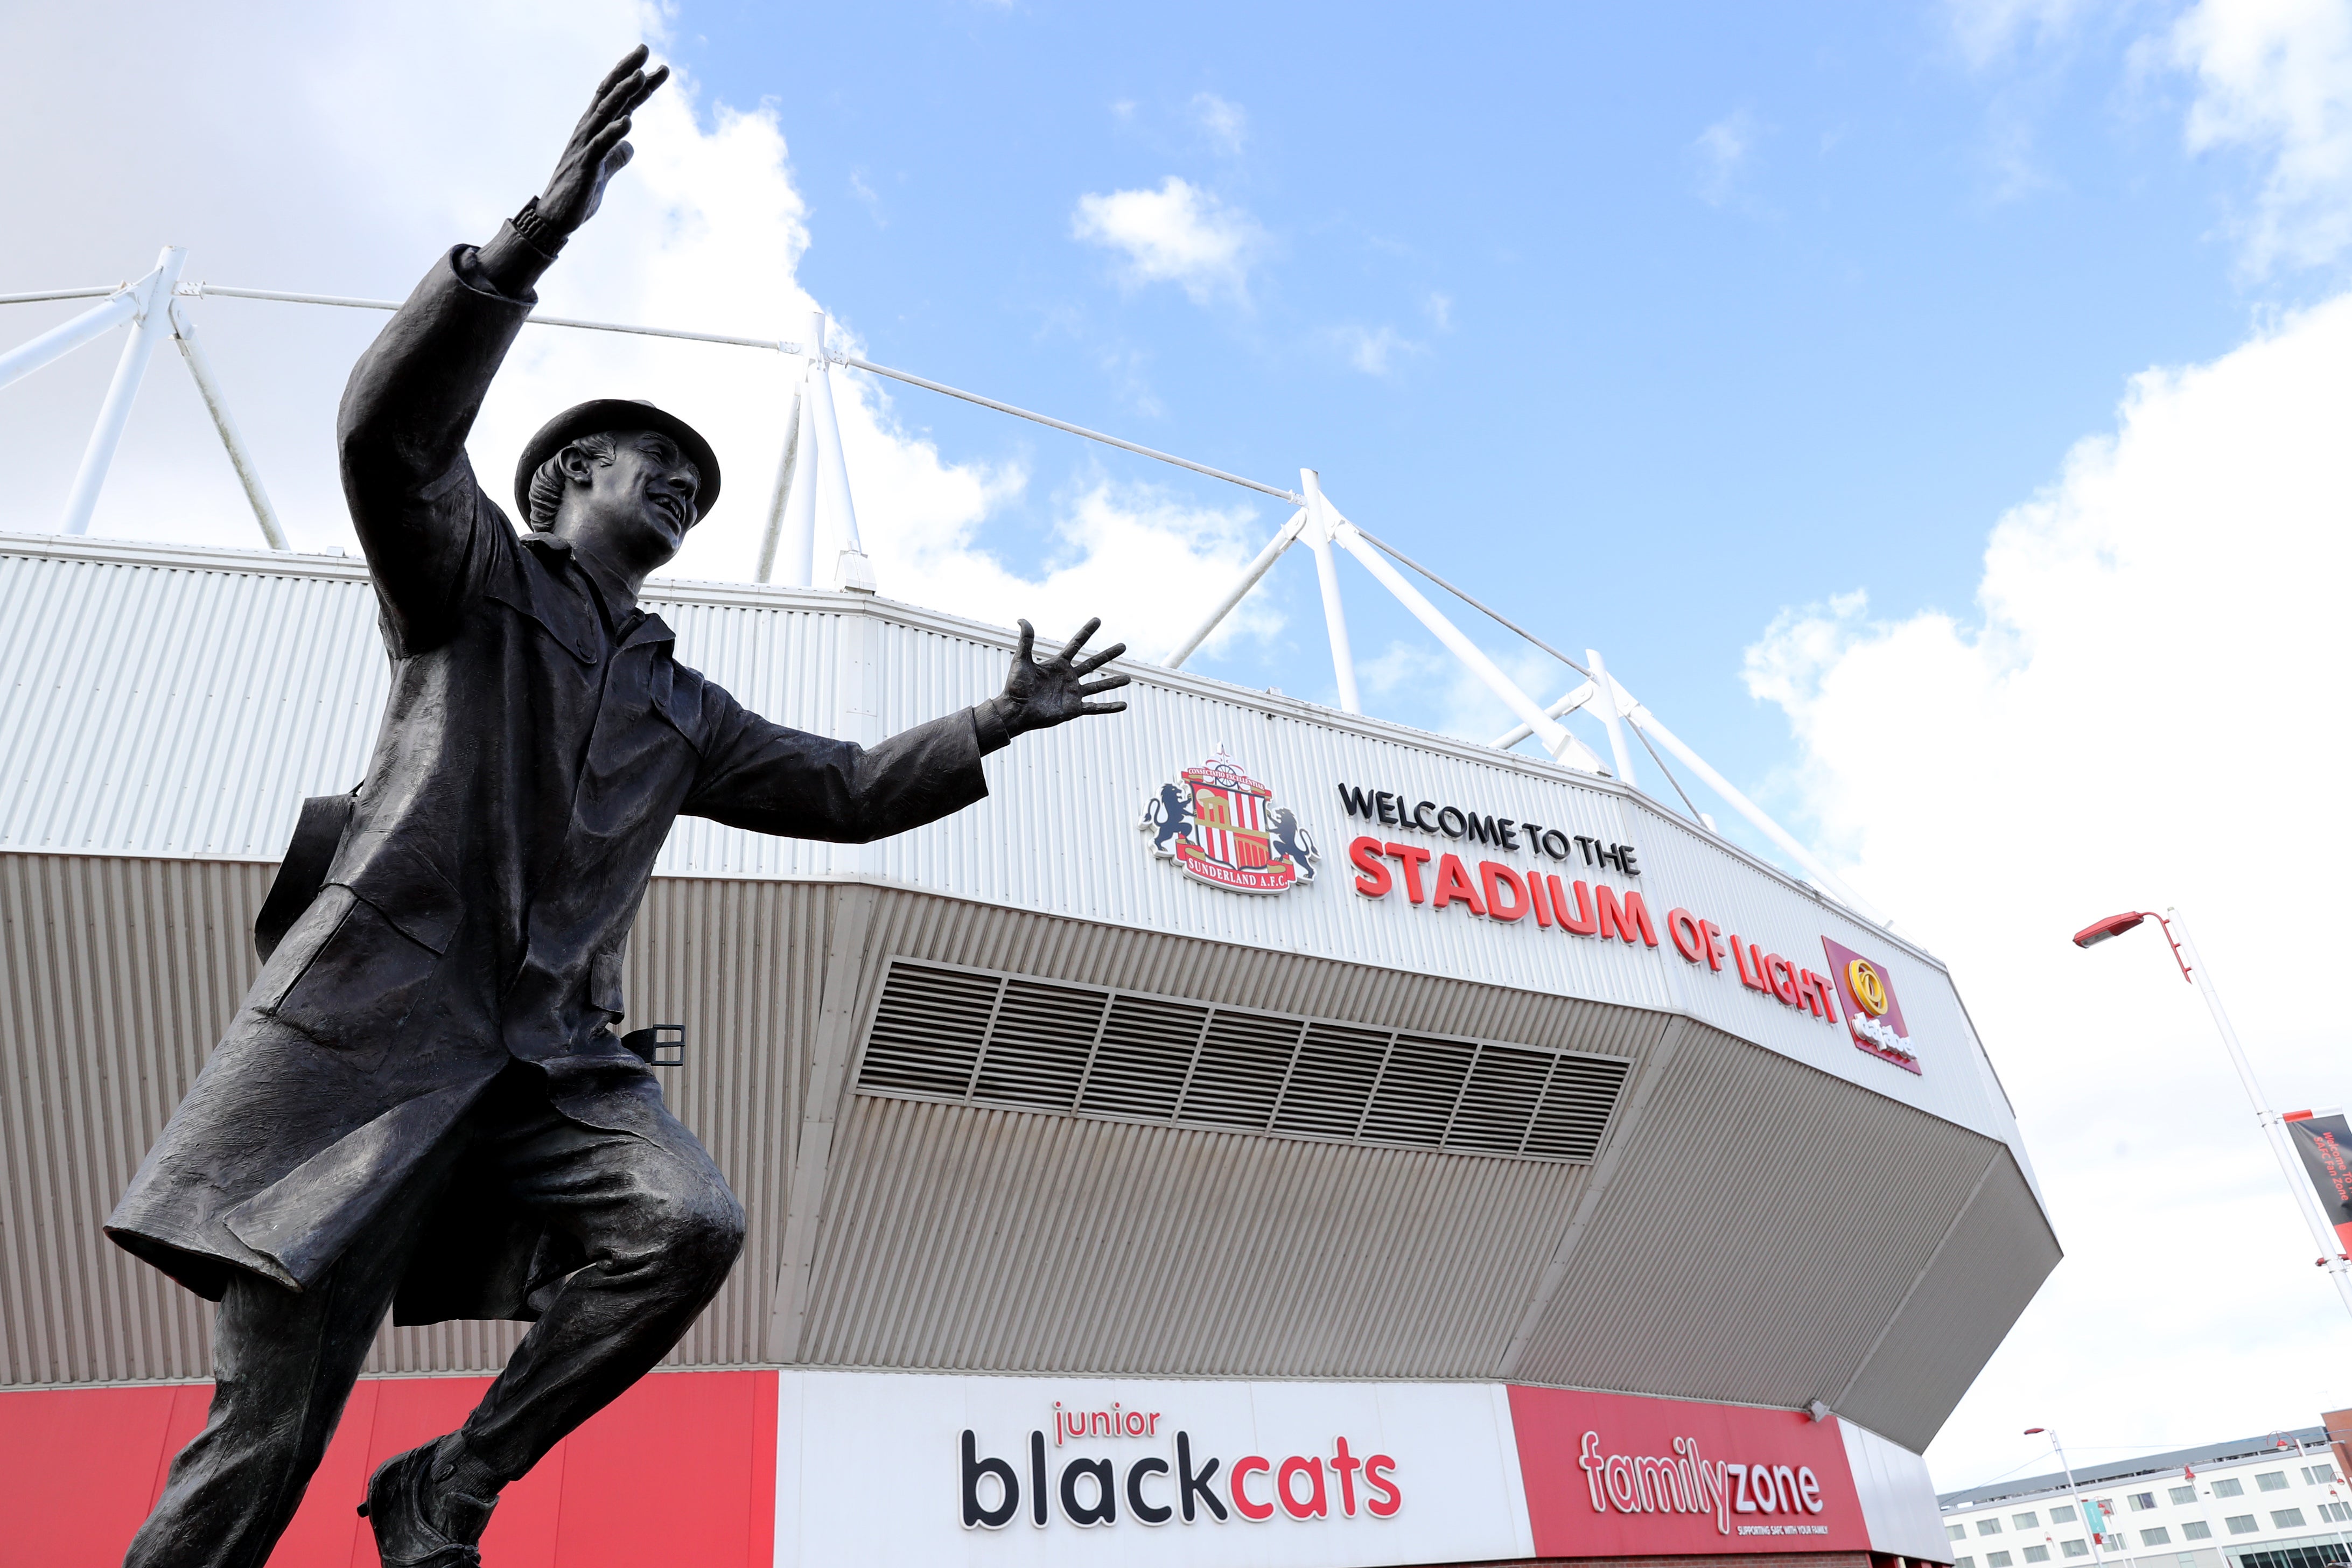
(408, 132)
(1986, 29)
(1178, 234)
(1373, 350)
(1440, 308)
(867, 197)
(2275, 79)
(2145, 711)
(1226, 124)
(1724, 149)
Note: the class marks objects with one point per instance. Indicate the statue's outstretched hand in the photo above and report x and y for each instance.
(596, 151)
(1038, 696)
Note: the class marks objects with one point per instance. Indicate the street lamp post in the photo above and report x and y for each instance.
(2082, 1512)
(2332, 1256)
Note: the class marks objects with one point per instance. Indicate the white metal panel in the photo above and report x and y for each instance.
(1899, 1497)
(869, 1469)
(178, 707)
(182, 702)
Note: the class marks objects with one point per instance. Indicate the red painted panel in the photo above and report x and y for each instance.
(77, 1468)
(679, 1470)
(1613, 1475)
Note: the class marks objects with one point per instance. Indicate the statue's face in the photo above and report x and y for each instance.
(637, 507)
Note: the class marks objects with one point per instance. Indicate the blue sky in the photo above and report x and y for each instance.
(1646, 321)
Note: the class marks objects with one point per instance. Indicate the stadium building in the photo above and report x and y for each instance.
(1256, 1135)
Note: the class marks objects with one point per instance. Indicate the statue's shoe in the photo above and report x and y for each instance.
(406, 1536)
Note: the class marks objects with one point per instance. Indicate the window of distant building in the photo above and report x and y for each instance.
(2155, 1536)
(2286, 1519)
(2182, 1494)
(2037, 1554)
(2318, 1475)
(2196, 1530)
(2076, 1548)
(2241, 1524)
(2272, 1480)
(2229, 1486)
(2336, 1512)
(2024, 1520)
(2140, 1500)
(1988, 1527)
(1957, 1531)
(1964, 1562)
(2062, 1514)
(1996, 1560)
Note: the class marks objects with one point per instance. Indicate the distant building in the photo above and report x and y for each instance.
(2274, 1501)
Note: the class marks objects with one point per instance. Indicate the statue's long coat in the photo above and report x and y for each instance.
(529, 766)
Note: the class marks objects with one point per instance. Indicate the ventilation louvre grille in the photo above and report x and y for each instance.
(1000, 1039)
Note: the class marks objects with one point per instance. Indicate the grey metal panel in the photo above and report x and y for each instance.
(1997, 1257)
(976, 1238)
(1763, 1224)
(117, 975)
(1769, 1223)
(179, 711)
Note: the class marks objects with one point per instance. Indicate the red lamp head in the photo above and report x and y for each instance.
(2114, 925)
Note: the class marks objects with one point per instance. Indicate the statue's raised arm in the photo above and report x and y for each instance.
(413, 396)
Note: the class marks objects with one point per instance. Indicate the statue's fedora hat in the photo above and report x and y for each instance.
(603, 415)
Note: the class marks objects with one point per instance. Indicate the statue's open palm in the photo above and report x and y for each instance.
(597, 150)
(1038, 696)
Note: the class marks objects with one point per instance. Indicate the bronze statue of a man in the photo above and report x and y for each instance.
(421, 1104)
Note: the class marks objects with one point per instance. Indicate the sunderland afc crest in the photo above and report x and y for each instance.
(1222, 827)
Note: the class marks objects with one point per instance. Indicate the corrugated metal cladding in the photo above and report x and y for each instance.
(1979, 1282)
(973, 1237)
(1010, 1241)
(252, 680)
(117, 976)
(1703, 1225)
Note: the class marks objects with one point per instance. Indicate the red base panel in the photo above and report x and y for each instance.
(679, 1470)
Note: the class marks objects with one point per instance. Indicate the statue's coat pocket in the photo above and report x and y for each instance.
(375, 963)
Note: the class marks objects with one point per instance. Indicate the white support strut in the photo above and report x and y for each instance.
(799, 506)
(1830, 880)
(1612, 709)
(851, 571)
(62, 339)
(248, 472)
(784, 492)
(1327, 574)
(153, 325)
(1575, 699)
(1239, 590)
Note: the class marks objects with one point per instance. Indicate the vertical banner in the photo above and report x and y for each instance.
(2325, 1142)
